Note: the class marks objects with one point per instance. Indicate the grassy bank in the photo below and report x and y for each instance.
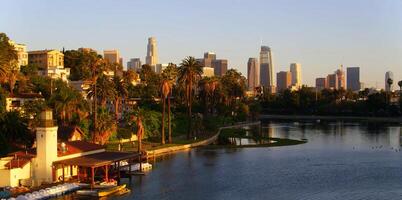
(226, 135)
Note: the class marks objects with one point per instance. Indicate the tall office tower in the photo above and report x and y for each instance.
(220, 67)
(332, 81)
(112, 56)
(266, 68)
(388, 75)
(295, 70)
(253, 74)
(207, 61)
(210, 55)
(209, 58)
(134, 64)
(353, 78)
(341, 78)
(152, 52)
(283, 80)
(321, 83)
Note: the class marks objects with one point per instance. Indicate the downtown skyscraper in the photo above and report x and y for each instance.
(353, 78)
(340, 73)
(295, 70)
(266, 68)
(388, 75)
(152, 52)
(253, 74)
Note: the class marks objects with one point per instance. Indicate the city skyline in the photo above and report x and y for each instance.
(319, 46)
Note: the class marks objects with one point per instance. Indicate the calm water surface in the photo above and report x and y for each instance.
(341, 160)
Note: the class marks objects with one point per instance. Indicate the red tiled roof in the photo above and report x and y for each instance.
(29, 153)
(21, 158)
(74, 147)
(17, 163)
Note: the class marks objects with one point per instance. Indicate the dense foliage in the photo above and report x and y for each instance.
(179, 101)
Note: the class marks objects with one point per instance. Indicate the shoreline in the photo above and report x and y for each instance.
(328, 117)
(168, 150)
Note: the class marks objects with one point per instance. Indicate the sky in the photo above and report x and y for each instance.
(319, 34)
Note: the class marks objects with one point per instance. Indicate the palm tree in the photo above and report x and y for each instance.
(104, 127)
(96, 66)
(121, 93)
(165, 91)
(190, 72)
(170, 75)
(67, 101)
(8, 55)
(12, 75)
(103, 90)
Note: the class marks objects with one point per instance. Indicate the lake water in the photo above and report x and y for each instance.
(341, 160)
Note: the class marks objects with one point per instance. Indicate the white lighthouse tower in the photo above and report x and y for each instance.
(46, 148)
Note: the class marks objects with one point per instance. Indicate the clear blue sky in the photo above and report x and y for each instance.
(319, 34)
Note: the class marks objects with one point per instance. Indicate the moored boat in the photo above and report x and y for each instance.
(102, 192)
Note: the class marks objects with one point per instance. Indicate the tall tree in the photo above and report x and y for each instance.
(103, 90)
(190, 71)
(96, 66)
(121, 92)
(234, 84)
(66, 101)
(8, 55)
(14, 132)
(104, 127)
(12, 76)
(169, 74)
(165, 91)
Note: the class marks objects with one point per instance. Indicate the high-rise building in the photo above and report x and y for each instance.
(220, 67)
(321, 83)
(266, 67)
(160, 67)
(388, 75)
(207, 61)
(210, 55)
(134, 64)
(332, 81)
(340, 73)
(22, 53)
(253, 73)
(283, 80)
(353, 78)
(112, 56)
(295, 70)
(152, 52)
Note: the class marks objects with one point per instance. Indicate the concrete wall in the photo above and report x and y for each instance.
(5, 177)
(12, 177)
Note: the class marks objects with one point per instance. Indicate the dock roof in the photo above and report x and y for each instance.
(98, 159)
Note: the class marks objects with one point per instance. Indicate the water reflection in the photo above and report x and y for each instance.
(341, 160)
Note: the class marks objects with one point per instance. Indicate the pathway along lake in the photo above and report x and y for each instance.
(341, 160)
